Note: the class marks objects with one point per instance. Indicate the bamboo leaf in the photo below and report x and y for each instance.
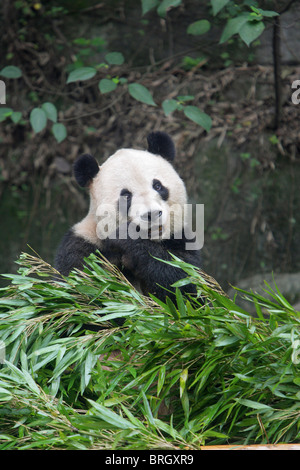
(148, 412)
(254, 404)
(110, 416)
(161, 379)
(183, 380)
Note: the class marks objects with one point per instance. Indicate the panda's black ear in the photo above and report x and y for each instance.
(161, 143)
(85, 169)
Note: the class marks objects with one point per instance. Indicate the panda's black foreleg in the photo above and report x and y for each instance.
(71, 253)
(138, 257)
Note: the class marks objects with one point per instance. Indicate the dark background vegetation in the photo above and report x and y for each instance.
(245, 169)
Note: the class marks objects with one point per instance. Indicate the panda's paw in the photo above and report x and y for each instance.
(133, 252)
(123, 252)
(120, 245)
(120, 240)
(128, 262)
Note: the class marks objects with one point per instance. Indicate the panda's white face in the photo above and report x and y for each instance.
(139, 188)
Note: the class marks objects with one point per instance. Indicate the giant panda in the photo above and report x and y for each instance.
(135, 216)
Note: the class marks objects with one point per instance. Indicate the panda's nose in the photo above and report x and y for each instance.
(151, 216)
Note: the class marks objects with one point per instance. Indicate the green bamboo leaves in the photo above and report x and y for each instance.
(186, 372)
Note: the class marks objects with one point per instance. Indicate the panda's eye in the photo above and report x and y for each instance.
(157, 185)
(161, 189)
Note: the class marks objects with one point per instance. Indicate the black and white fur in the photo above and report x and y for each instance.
(150, 186)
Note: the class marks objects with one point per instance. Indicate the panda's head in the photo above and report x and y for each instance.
(136, 188)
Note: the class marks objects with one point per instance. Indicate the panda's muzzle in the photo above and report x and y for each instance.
(151, 216)
(153, 221)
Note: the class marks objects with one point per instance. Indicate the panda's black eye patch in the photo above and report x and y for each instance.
(126, 193)
(161, 189)
(125, 200)
(157, 185)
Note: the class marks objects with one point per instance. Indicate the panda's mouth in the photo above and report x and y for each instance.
(152, 232)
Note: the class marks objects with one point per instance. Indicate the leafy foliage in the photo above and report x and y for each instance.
(81, 74)
(170, 375)
(247, 24)
(38, 120)
(162, 6)
(141, 93)
(11, 71)
(245, 20)
(198, 27)
(198, 116)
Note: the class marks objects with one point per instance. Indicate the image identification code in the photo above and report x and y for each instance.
(152, 459)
